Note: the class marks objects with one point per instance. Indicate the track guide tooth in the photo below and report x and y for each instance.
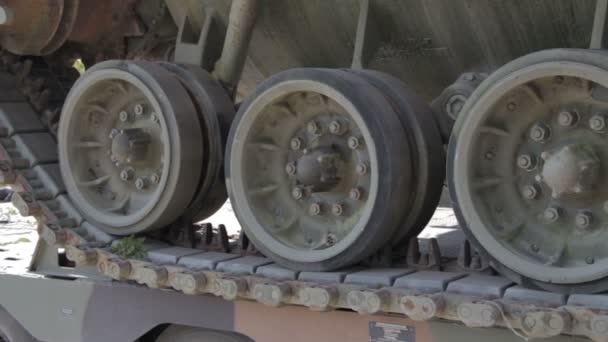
(426, 261)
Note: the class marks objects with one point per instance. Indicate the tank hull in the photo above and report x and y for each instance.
(426, 43)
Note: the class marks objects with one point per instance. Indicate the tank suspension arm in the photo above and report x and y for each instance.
(243, 15)
(366, 35)
(598, 35)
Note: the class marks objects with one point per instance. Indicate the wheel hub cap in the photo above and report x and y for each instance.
(318, 170)
(130, 145)
(572, 170)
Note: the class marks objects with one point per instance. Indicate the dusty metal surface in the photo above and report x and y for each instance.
(42, 27)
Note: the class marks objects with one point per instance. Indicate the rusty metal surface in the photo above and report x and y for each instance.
(41, 27)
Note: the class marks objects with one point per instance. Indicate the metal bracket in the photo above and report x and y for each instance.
(45, 261)
(598, 36)
(200, 47)
(367, 38)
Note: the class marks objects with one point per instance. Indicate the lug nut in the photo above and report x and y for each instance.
(153, 117)
(315, 209)
(551, 215)
(113, 133)
(362, 169)
(583, 220)
(540, 132)
(140, 184)
(598, 123)
(313, 128)
(297, 193)
(337, 209)
(138, 109)
(526, 162)
(155, 178)
(124, 116)
(127, 174)
(296, 144)
(530, 191)
(353, 143)
(335, 127)
(567, 118)
(291, 169)
(354, 194)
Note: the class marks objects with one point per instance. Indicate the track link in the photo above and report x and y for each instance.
(28, 162)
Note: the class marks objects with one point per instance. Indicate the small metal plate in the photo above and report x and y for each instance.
(385, 332)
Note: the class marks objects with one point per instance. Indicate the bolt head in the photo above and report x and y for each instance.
(598, 123)
(155, 178)
(361, 169)
(526, 162)
(126, 174)
(297, 193)
(337, 209)
(335, 127)
(511, 106)
(567, 118)
(583, 220)
(540, 132)
(291, 169)
(355, 194)
(353, 143)
(139, 109)
(313, 128)
(315, 209)
(153, 117)
(140, 183)
(530, 192)
(296, 144)
(113, 133)
(123, 116)
(551, 215)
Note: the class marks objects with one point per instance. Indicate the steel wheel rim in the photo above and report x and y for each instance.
(468, 134)
(325, 95)
(83, 194)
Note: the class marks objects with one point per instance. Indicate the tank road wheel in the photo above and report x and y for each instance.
(426, 150)
(129, 146)
(216, 112)
(527, 170)
(317, 171)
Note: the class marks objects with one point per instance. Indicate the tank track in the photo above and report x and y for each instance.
(418, 291)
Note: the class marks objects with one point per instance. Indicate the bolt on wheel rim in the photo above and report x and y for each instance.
(308, 174)
(532, 151)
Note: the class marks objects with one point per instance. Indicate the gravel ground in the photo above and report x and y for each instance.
(18, 234)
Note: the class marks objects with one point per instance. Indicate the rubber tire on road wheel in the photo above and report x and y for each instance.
(427, 153)
(595, 58)
(180, 333)
(11, 330)
(394, 181)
